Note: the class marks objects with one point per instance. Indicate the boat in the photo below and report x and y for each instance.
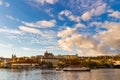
(58, 69)
(76, 69)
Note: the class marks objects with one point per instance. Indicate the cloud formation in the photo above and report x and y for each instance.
(111, 37)
(46, 1)
(11, 18)
(69, 31)
(105, 42)
(94, 12)
(85, 16)
(1, 3)
(69, 15)
(115, 14)
(6, 45)
(33, 49)
(81, 41)
(10, 31)
(4, 3)
(41, 24)
(28, 29)
(79, 25)
(98, 24)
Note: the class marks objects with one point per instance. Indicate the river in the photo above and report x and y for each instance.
(37, 74)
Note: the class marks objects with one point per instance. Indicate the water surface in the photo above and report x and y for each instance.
(37, 74)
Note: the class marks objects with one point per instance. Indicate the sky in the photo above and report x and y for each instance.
(66, 27)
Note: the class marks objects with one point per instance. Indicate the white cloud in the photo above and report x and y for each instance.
(6, 45)
(104, 42)
(53, 47)
(74, 18)
(1, 3)
(51, 15)
(70, 31)
(41, 24)
(65, 33)
(49, 12)
(86, 16)
(111, 37)
(4, 3)
(10, 31)
(89, 52)
(115, 14)
(26, 48)
(43, 37)
(39, 34)
(50, 34)
(66, 44)
(81, 6)
(33, 49)
(79, 25)
(69, 38)
(46, 1)
(69, 15)
(98, 24)
(31, 30)
(94, 12)
(11, 18)
(44, 23)
(66, 13)
(99, 10)
(111, 25)
(78, 40)
(60, 17)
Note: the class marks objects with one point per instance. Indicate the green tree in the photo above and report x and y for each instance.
(74, 61)
(49, 64)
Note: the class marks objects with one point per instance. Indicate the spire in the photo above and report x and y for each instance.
(13, 55)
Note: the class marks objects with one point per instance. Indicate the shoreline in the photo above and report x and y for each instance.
(49, 68)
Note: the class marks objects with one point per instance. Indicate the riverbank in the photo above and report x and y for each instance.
(52, 68)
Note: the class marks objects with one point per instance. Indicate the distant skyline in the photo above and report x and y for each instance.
(86, 27)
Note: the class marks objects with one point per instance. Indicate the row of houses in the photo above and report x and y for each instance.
(4, 62)
(116, 64)
(33, 60)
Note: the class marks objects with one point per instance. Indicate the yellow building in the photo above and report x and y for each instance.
(116, 63)
(55, 61)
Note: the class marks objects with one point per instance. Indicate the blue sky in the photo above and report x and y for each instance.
(86, 27)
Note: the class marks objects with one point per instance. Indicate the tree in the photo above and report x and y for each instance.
(49, 64)
(61, 64)
(74, 61)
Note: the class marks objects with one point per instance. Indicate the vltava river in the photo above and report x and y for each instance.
(37, 74)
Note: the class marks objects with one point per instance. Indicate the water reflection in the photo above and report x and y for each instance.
(37, 74)
(77, 75)
(105, 74)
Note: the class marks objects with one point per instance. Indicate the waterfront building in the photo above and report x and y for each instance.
(116, 63)
(54, 61)
(48, 55)
(24, 65)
